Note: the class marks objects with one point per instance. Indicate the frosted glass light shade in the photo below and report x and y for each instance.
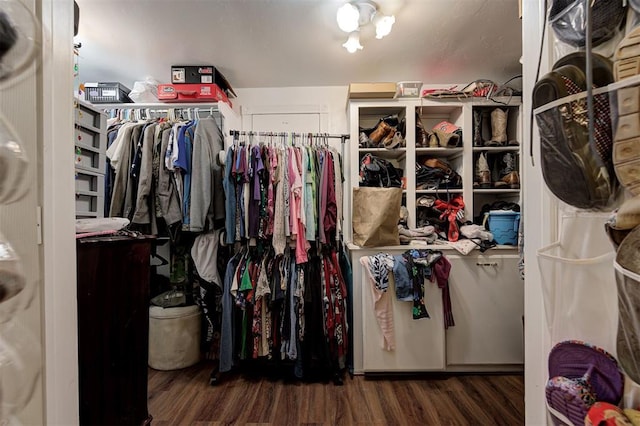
(348, 17)
(383, 26)
(353, 43)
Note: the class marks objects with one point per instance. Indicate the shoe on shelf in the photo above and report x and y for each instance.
(422, 136)
(381, 131)
(498, 128)
(447, 140)
(396, 141)
(508, 176)
(477, 128)
(432, 140)
(364, 141)
(483, 173)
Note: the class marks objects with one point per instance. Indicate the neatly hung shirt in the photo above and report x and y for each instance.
(121, 167)
(230, 197)
(310, 194)
(279, 237)
(208, 192)
(331, 209)
(302, 245)
(143, 211)
(273, 179)
(255, 175)
(337, 169)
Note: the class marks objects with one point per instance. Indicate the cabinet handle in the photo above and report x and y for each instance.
(487, 264)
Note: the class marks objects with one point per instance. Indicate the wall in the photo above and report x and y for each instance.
(334, 98)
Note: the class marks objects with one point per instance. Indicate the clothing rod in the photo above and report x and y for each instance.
(162, 106)
(321, 135)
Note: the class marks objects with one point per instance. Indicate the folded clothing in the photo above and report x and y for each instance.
(101, 224)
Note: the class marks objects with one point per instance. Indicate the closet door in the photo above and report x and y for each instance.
(420, 343)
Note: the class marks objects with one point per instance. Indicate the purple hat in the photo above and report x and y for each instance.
(581, 374)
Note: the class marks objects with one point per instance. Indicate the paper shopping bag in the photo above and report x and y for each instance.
(376, 212)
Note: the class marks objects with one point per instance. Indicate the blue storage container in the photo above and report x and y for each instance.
(503, 224)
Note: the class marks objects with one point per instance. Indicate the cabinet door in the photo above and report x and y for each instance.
(419, 343)
(113, 330)
(487, 297)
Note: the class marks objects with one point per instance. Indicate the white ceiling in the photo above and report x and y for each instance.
(280, 43)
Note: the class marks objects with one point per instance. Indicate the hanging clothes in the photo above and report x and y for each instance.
(167, 170)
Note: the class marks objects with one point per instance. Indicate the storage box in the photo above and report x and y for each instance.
(191, 93)
(372, 90)
(200, 74)
(106, 93)
(408, 89)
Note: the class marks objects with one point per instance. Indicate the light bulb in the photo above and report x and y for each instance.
(348, 17)
(353, 43)
(383, 26)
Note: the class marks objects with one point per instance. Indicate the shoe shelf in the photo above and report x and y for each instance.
(462, 157)
(387, 154)
(496, 148)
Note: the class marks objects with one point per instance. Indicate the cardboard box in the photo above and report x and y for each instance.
(372, 90)
(191, 93)
(200, 74)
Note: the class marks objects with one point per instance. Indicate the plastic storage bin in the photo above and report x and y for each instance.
(408, 89)
(503, 224)
(106, 93)
(174, 337)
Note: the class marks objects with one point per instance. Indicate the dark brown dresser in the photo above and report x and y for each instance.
(113, 329)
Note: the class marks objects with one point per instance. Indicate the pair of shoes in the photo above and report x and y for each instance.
(507, 172)
(499, 120)
(448, 135)
(383, 133)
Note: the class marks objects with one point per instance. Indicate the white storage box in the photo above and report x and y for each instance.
(174, 337)
(408, 89)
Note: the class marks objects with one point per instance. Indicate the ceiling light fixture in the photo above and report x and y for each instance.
(355, 14)
(353, 43)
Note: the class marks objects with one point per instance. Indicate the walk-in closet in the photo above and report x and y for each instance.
(318, 212)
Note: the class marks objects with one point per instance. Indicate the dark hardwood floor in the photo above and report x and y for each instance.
(184, 397)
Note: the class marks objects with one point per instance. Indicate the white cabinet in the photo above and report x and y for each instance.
(487, 298)
(419, 343)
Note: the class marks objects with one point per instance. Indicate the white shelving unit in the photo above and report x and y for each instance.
(366, 113)
(487, 293)
(90, 145)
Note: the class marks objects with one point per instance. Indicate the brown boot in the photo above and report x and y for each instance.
(508, 176)
(422, 136)
(381, 131)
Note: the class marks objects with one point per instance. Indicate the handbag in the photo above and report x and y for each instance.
(378, 172)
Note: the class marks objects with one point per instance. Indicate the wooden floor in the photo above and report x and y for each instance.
(184, 397)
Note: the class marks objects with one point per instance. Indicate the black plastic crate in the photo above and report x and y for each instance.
(106, 93)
